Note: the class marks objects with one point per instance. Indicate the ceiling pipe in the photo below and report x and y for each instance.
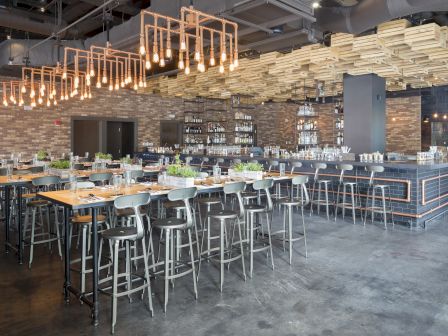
(370, 13)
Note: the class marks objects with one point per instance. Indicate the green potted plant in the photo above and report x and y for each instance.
(103, 156)
(247, 170)
(60, 168)
(179, 175)
(42, 155)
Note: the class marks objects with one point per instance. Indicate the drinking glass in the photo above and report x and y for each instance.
(216, 174)
(73, 183)
(282, 167)
(9, 170)
(117, 182)
(127, 178)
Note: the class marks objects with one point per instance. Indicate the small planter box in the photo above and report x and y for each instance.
(180, 182)
(252, 175)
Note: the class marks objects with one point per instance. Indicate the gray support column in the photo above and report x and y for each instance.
(365, 113)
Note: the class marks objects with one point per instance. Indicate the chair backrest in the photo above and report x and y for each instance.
(184, 194)
(219, 161)
(343, 168)
(236, 188)
(265, 185)
(203, 175)
(373, 170)
(134, 202)
(100, 177)
(22, 172)
(204, 160)
(236, 161)
(3, 171)
(81, 185)
(295, 165)
(46, 182)
(317, 167)
(135, 174)
(188, 159)
(37, 169)
(272, 164)
(300, 182)
(253, 161)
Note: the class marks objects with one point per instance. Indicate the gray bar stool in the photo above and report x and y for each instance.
(225, 254)
(128, 235)
(251, 227)
(100, 178)
(302, 200)
(295, 165)
(204, 161)
(345, 186)
(172, 226)
(321, 185)
(277, 196)
(371, 194)
(46, 183)
(188, 159)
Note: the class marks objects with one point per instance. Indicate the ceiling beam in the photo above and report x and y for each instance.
(256, 27)
(272, 23)
(123, 6)
(276, 38)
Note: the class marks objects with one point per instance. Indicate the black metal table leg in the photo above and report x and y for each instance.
(7, 203)
(95, 306)
(20, 243)
(67, 282)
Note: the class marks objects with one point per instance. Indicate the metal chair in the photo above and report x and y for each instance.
(172, 228)
(225, 250)
(251, 227)
(371, 194)
(188, 160)
(128, 235)
(100, 178)
(79, 166)
(46, 183)
(321, 185)
(301, 200)
(352, 192)
(204, 161)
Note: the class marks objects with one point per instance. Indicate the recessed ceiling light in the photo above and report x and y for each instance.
(8, 37)
(42, 9)
(316, 4)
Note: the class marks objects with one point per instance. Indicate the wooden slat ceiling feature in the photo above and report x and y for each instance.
(402, 54)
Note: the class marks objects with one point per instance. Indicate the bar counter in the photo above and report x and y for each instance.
(419, 190)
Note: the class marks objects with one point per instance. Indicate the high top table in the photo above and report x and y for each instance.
(104, 197)
(20, 181)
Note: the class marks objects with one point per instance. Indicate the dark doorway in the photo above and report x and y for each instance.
(120, 138)
(86, 137)
(170, 132)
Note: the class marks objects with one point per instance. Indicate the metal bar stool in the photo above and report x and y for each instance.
(171, 227)
(320, 183)
(302, 200)
(277, 196)
(45, 183)
(204, 161)
(128, 235)
(251, 227)
(294, 166)
(354, 199)
(371, 194)
(225, 250)
(207, 202)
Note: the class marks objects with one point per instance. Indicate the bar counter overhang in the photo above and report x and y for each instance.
(419, 191)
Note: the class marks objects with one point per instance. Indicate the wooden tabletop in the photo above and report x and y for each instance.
(106, 195)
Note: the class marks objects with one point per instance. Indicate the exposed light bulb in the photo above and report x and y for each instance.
(197, 56)
(231, 67)
(64, 75)
(11, 98)
(155, 58)
(142, 50)
(212, 61)
(147, 64)
(62, 98)
(40, 100)
(88, 81)
(50, 96)
(5, 102)
(221, 68)
(162, 62)
(183, 46)
(53, 92)
(140, 83)
(55, 102)
(201, 67)
(21, 103)
(187, 70)
(90, 95)
(236, 63)
(32, 93)
(75, 92)
(223, 57)
(122, 84)
(181, 64)
(117, 86)
(135, 86)
(92, 73)
(88, 76)
(24, 89)
(66, 96)
(111, 87)
(169, 53)
(144, 84)
(33, 104)
(48, 103)
(104, 79)
(98, 85)
(82, 97)
(315, 4)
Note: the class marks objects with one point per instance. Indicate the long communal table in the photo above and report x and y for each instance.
(18, 182)
(104, 197)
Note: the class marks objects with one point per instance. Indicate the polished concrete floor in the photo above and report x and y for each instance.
(356, 281)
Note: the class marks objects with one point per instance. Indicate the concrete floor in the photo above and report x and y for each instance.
(356, 281)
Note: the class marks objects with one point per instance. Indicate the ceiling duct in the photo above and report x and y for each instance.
(370, 13)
